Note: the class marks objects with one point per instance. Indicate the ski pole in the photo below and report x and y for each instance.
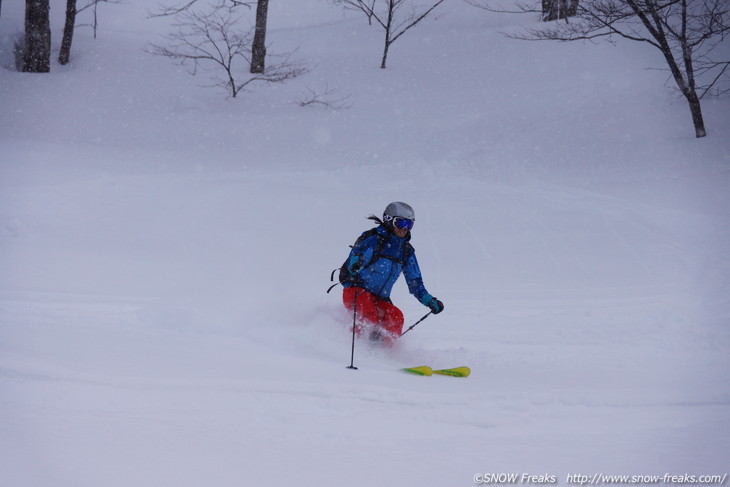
(354, 318)
(417, 322)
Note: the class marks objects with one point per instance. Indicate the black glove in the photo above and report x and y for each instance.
(435, 305)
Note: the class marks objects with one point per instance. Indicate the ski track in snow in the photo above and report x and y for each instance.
(301, 400)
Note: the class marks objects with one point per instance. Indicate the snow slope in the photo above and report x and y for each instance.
(165, 252)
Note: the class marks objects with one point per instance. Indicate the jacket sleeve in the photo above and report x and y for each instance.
(412, 273)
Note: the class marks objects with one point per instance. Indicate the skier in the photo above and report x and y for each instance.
(377, 259)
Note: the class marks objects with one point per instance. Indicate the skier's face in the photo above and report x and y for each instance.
(400, 232)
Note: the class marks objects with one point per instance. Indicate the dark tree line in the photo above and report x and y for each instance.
(690, 34)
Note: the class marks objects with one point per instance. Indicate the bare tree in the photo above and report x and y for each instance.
(387, 14)
(690, 35)
(210, 38)
(258, 47)
(37, 45)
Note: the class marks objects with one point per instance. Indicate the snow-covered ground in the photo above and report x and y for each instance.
(165, 251)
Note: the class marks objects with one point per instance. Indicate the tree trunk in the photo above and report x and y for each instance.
(37, 54)
(388, 24)
(696, 109)
(547, 10)
(68, 32)
(385, 55)
(571, 8)
(685, 82)
(258, 50)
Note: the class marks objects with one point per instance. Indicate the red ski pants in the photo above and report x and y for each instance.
(371, 310)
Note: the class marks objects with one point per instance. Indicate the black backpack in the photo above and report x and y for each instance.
(346, 277)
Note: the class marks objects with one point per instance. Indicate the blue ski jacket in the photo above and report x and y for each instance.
(378, 260)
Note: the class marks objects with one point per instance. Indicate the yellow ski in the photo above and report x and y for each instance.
(426, 370)
(455, 372)
(422, 370)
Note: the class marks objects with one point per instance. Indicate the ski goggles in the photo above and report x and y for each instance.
(402, 223)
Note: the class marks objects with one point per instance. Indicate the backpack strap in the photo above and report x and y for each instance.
(407, 251)
(368, 234)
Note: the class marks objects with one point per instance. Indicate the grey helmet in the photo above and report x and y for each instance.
(398, 209)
